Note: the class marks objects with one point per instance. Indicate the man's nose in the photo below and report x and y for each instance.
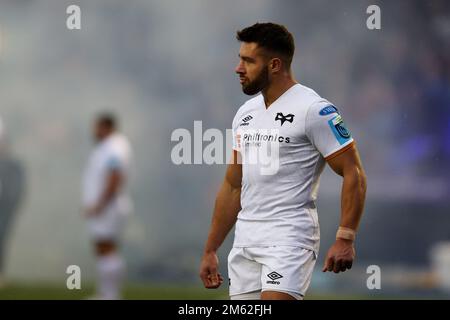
(239, 68)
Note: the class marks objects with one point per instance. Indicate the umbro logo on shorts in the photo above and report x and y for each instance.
(274, 276)
(283, 118)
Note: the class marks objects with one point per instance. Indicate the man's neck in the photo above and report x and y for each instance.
(277, 88)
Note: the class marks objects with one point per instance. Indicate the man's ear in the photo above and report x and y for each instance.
(275, 65)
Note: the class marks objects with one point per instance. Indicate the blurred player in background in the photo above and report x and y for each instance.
(11, 192)
(107, 203)
(277, 232)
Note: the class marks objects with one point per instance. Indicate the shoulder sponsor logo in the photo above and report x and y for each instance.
(328, 110)
(339, 129)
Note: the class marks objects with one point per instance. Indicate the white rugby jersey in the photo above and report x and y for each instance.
(112, 153)
(280, 208)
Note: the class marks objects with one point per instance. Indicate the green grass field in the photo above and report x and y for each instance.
(134, 292)
(38, 291)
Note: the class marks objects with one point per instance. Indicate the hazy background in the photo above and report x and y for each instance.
(163, 64)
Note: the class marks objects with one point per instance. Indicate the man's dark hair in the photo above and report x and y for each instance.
(273, 37)
(108, 120)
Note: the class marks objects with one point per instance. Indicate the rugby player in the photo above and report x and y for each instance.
(275, 216)
(106, 203)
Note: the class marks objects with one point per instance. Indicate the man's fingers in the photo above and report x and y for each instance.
(348, 264)
(212, 279)
(213, 275)
(328, 266)
(337, 266)
(331, 264)
(215, 280)
(343, 266)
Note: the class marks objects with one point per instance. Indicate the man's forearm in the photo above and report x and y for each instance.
(226, 209)
(353, 198)
(342, 253)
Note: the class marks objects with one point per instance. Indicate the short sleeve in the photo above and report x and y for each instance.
(326, 130)
(115, 158)
(114, 162)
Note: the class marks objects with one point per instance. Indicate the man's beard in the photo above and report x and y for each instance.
(257, 85)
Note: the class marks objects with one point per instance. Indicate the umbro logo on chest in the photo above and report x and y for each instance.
(245, 121)
(283, 118)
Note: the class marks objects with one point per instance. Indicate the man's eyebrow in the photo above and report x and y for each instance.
(245, 58)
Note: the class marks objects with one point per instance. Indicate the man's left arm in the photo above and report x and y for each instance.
(113, 184)
(348, 165)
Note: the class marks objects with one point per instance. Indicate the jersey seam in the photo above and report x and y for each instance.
(307, 114)
(315, 224)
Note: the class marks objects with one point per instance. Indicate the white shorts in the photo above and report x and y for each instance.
(285, 269)
(108, 225)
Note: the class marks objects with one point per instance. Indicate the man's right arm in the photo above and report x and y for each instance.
(226, 209)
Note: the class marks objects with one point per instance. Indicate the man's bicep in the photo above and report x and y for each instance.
(345, 159)
(115, 178)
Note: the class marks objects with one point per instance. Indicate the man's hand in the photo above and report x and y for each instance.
(209, 271)
(340, 256)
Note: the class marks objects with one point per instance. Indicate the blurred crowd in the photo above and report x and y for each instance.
(405, 93)
(392, 85)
